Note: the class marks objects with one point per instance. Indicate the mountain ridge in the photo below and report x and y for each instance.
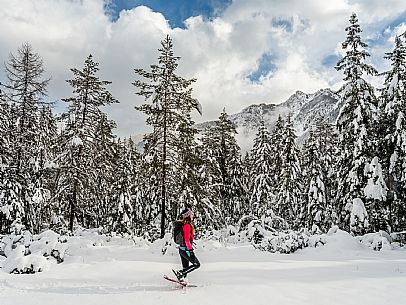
(304, 108)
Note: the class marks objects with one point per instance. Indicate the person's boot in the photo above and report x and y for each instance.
(179, 275)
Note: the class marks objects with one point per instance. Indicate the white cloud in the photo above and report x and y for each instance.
(220, 53)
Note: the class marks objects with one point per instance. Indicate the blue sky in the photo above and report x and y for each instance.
(175, 11)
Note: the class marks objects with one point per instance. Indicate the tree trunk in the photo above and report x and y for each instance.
(72, 208)
(163, 214)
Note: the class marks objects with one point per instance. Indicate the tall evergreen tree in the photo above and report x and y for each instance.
(78, 143)
(228, 160)
(44, 168)
(26, 89)
(290, 196)
(210, 178)
(276, 147)
(393, 130)
(327, 139)
(104, 158)
(355, 123)
(7, 206)
(171, 101)
(312, 169)
(318, 160)
(222, 171)
(125, 209)
(261, 198)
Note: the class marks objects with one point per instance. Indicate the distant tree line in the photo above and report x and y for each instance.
(67, 170)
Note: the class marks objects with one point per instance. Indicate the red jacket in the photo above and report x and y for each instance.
(188, 235)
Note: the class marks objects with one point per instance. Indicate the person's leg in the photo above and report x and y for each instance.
(192, 259)
(185, 262)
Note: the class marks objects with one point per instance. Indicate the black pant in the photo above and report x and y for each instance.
(185, 261)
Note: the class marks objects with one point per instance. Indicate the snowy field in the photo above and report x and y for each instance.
(116, 272)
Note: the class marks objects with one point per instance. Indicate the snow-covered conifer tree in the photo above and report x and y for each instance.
(104, 159)
(8, 211)
(276, 147)
(290, 197)
(222, 170)
(124, 208)
(355, 123)
(318, 160)
(393, 134)
(210, 179)
(189, 190)
(78, 143)
(314, 183)
(25, 89)
(375, 193)
(170, 99)
(44, 170)
(261, 196)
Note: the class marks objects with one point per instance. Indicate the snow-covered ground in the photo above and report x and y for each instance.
(119, 273)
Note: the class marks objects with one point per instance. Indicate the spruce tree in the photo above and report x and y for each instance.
(228, 162)
(355, 123)
(222, 172)
(8, 210)
(261, 196)
(78, 143)
(318, 160)
(171, 101)
(211, 215)
(327, 140)
(393, 130)
(316, 198)
(276, 147)
(290, 197)
(44, 170)
(124, 209)
(104, 158)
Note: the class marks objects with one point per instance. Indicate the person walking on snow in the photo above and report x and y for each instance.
(186, 252)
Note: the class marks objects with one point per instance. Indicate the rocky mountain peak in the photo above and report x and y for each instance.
(304, 108)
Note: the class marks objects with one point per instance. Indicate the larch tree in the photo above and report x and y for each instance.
(26, 89)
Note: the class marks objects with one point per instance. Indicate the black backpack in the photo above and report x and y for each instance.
(178, 232)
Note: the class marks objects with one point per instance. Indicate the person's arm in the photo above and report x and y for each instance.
(186, 233)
